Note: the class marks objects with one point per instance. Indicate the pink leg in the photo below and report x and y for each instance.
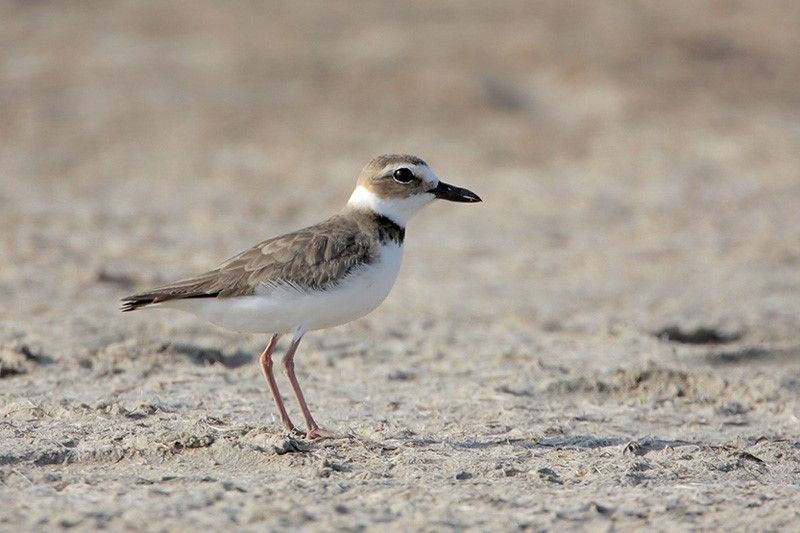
(266, 367)
(314, 431)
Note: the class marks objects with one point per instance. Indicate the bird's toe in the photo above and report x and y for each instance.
(319, 433)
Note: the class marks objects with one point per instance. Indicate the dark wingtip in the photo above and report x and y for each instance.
(132, 303)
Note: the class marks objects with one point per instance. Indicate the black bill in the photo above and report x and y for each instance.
(454, 194)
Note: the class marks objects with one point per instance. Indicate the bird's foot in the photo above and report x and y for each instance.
(319, 433)
(293, 432)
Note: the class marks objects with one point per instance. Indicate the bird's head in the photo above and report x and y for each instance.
(397, 186)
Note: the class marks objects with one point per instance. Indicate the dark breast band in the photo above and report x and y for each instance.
(388, 230)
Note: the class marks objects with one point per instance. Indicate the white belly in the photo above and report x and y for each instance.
(284, 308)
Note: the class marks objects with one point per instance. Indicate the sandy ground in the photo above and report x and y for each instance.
(611, 340)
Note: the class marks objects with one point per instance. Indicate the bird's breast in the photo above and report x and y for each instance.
(362, 291)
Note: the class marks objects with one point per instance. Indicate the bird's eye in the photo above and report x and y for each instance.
(403, 175)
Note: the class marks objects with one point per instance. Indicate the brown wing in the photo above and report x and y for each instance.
(314, 258)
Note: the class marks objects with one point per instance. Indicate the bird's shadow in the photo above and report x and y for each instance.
(212, 356)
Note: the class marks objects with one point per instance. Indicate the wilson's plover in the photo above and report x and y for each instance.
(314, 278)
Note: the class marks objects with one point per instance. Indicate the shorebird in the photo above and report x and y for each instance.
(318, 277)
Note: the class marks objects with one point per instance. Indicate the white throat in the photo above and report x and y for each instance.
(398, 210)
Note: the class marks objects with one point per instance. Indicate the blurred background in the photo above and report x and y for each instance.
(637, 159)
(639, 164)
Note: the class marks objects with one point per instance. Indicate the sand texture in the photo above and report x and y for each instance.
(611, 340)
